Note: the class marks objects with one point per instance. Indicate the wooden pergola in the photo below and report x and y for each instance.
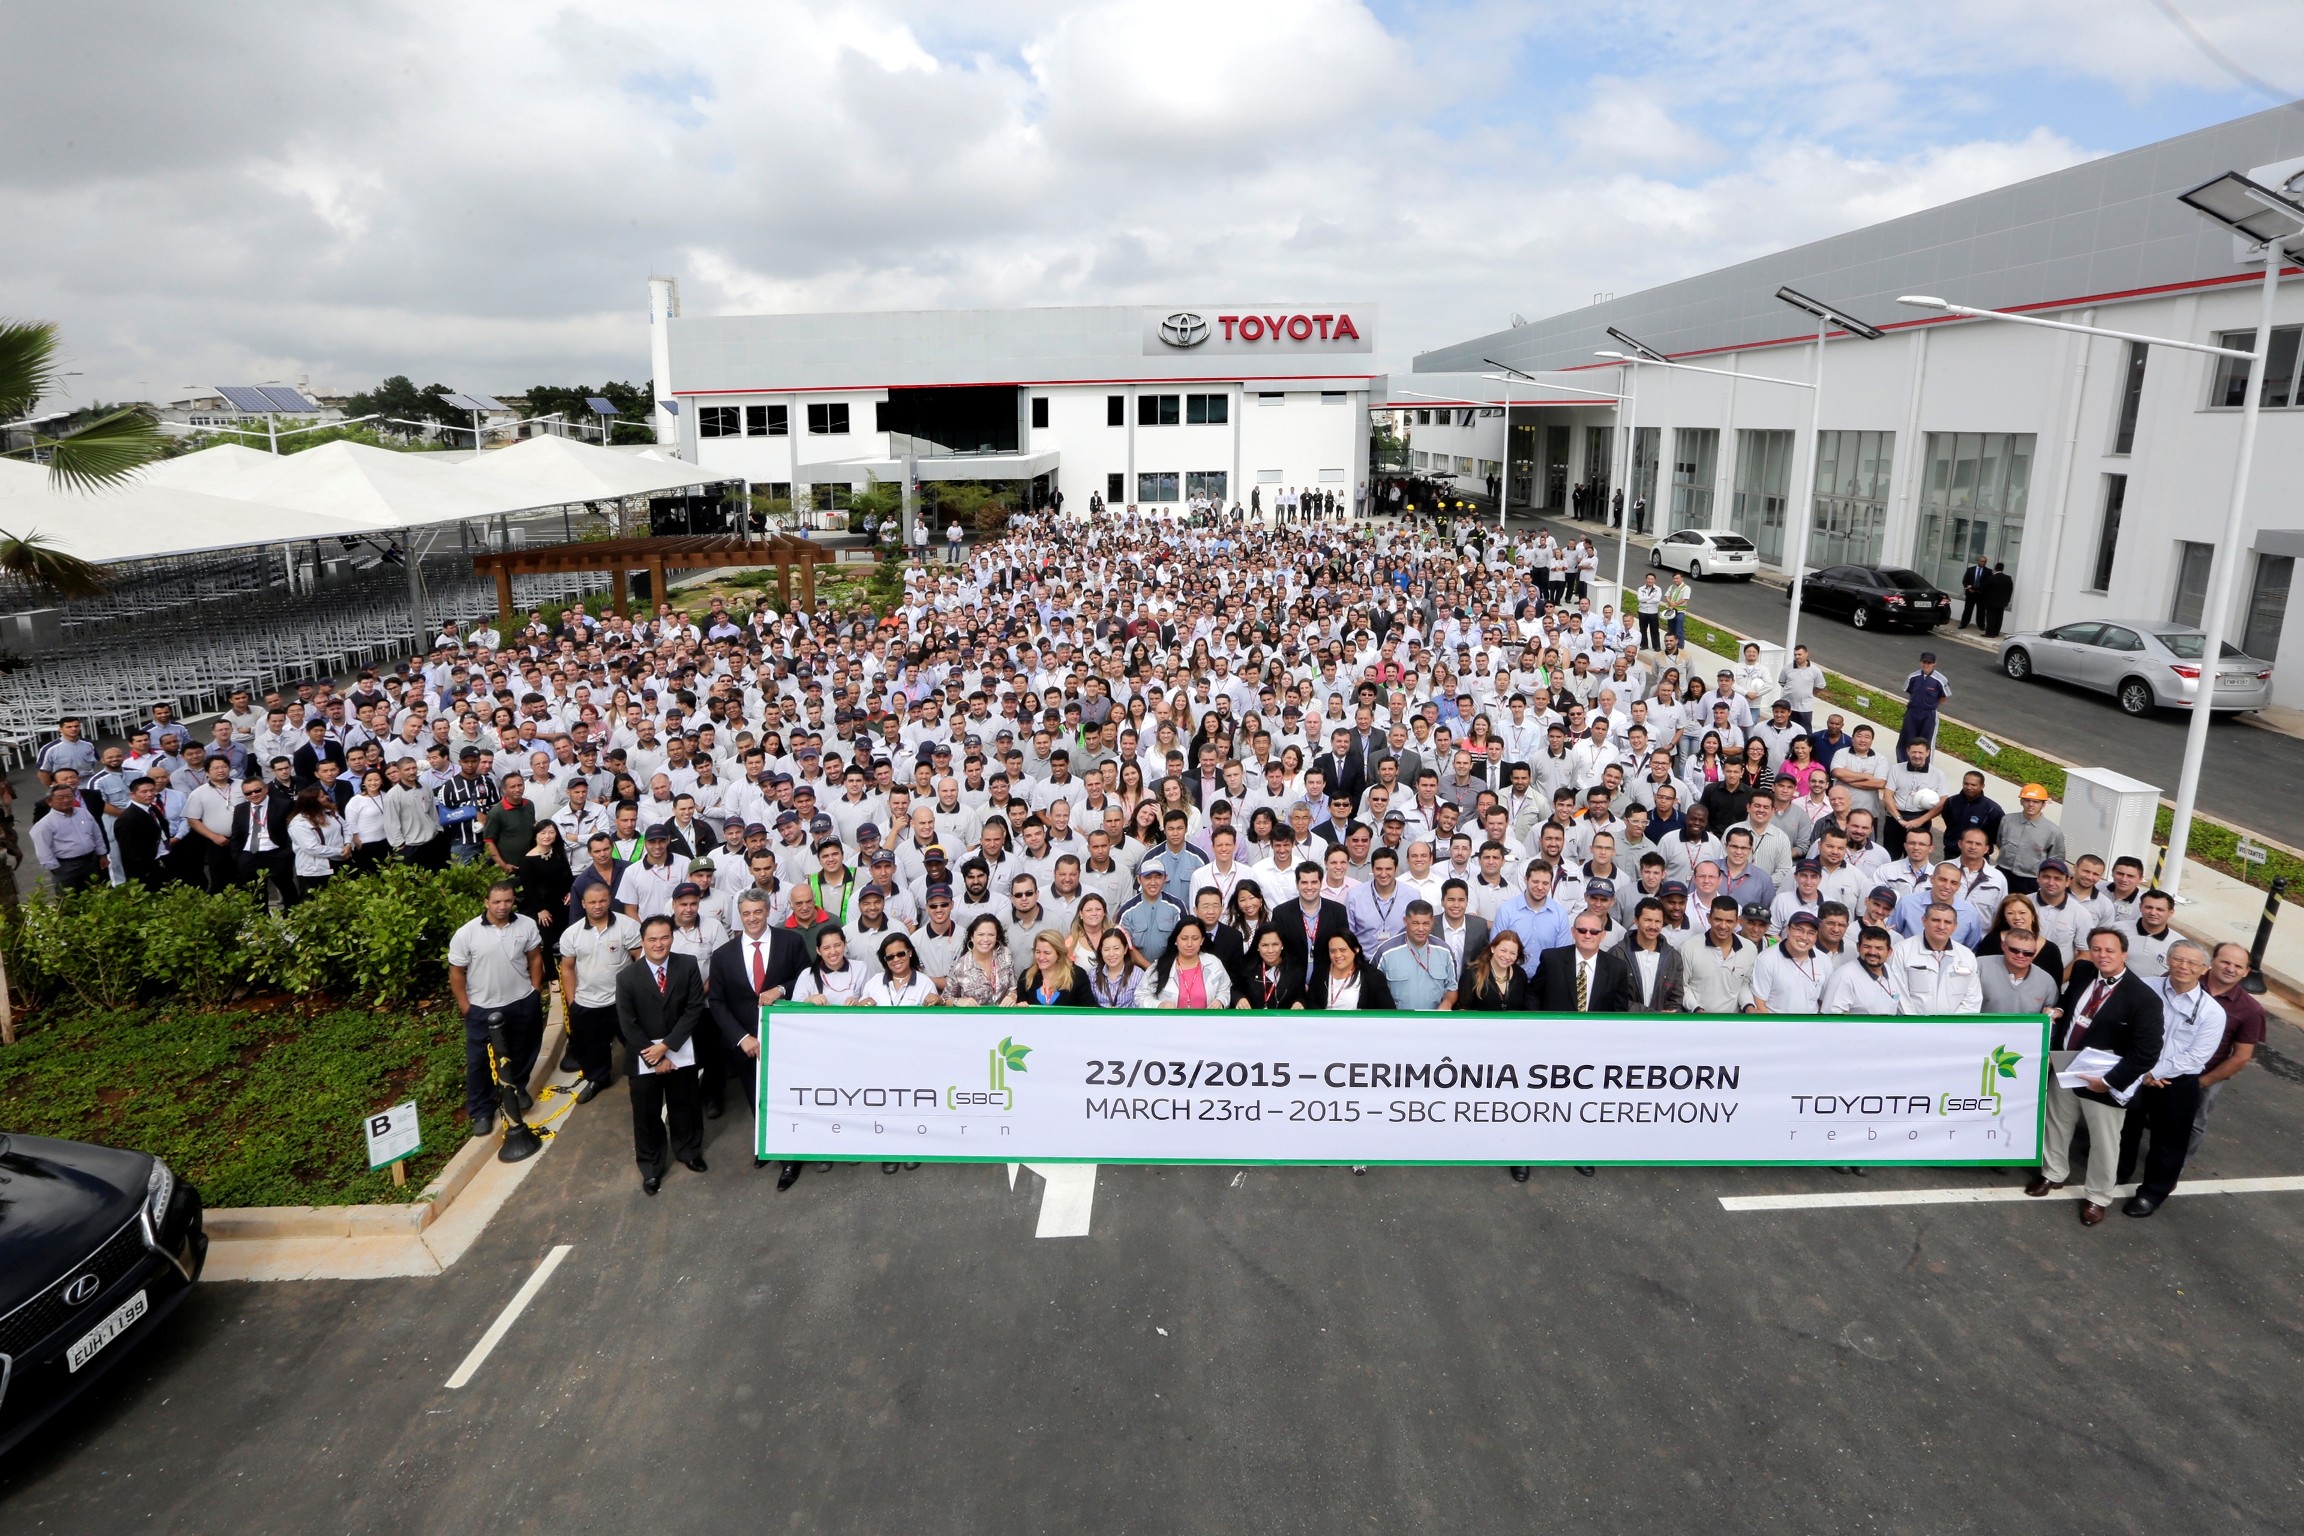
(657, 556)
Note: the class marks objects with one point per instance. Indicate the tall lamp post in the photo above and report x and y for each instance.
(1504, 375)
(2272, 221)
(1804, 494)
(1635, 351)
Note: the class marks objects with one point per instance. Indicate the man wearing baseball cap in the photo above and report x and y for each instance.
(1790, 977)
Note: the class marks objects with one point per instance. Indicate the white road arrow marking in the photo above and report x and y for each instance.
(1068, 1199)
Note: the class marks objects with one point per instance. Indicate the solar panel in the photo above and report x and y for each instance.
(462, 403)
(671, 407)
(247, 397)
(488, 403)
(285, 399)
(601, 405)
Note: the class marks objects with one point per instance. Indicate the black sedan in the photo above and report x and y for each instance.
(1876, 595)
(96, 1247)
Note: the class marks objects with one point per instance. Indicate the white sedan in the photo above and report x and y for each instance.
(1703, 552)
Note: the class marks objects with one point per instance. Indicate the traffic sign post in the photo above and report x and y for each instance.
(393, 1138)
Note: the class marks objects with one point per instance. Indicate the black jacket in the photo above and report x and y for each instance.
(734, 1006)
(1286, 993)
(1553, 988)
(1289, 919)
(2130, 1023)
(279, 810)
(1375, 991)
(142, 836)
(1076, 995)
(644, 1015)
(1512, 998)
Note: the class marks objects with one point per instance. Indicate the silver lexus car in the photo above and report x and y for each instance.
(2144, 664)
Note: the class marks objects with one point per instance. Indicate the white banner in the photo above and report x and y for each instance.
(1161, 1086)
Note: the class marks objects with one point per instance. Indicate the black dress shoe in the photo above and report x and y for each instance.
(695, 1164)
(714, 1109)
(1587, 1170)
(569, 1063)
(759, 1163)
(2141, 1205)
(483, 1124)
(587, 1091)
(651, 1184)
(789, 1177)
(1519, 1173)
(890, 1167)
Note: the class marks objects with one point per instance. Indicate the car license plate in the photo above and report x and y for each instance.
(93, 1341)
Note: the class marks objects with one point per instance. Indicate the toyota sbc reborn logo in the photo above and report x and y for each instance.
(1004, 1058)
(1183, 329)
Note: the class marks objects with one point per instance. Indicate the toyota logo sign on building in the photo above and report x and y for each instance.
(1183, 329)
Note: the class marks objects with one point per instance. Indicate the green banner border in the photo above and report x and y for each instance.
(1693, 1020)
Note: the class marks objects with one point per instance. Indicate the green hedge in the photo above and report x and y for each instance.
(2212, 843)
(255, 1107)
(380, 937)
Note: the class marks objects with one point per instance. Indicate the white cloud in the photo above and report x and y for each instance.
(257, 191)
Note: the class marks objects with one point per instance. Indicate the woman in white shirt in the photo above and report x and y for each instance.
(831, 980)
(364, 824)
(899, 984)
(316, 833)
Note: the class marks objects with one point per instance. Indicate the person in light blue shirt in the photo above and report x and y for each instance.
(1943, 888)
(1421, 974)
(1533, 915)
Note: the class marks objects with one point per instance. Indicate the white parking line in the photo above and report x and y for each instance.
(506, 1318)
(1987, 1194)
(1068, 1200)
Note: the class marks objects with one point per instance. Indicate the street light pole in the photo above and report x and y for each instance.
(1804, 498)
(1631, 478)
(2223, 576)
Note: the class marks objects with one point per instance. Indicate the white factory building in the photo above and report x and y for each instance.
(1141, 405)
(2097, 470)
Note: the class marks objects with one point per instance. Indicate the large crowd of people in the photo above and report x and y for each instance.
(1142, 763)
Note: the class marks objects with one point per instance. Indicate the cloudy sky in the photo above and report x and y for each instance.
(477, 194)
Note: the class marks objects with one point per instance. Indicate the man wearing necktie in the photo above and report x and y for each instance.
(659, 1005)
(755, 967)
(1580, 976)
(2107, 1007)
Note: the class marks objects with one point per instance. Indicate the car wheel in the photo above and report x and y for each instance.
(1695, 570)
(2017, 663)
(2136, 697)
(1860, 616)
(1655, 559)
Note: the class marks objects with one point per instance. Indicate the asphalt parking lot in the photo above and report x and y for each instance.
(1273, 1349)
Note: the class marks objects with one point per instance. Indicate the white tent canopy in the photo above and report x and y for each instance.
(137, 521)
(232, 496)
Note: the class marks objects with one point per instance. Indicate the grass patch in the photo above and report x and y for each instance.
(2212, 843)
(256, 1106)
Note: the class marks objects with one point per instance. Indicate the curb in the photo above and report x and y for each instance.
(304, 1224)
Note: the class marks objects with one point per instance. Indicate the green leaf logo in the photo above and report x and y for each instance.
(1012, 1055)
(2004, 1060)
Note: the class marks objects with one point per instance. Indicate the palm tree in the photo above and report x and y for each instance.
(100, 453)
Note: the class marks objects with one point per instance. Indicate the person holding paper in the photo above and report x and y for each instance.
(2114, 1019)
(659, 1006)
(2170, 1098)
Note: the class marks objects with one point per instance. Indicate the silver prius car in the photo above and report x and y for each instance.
(2144, 664)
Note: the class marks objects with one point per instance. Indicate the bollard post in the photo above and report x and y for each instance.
(2254, 981)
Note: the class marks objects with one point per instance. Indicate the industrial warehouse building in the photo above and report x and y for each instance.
(1142, 406)
(2097, 470)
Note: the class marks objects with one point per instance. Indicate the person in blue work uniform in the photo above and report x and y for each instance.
(1924, 693)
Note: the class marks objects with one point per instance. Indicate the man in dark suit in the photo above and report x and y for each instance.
(1999, 593)
(260, 848)
(1972, 582)
(756, 966)
(140, 832)
(1344, 768)
(1309, 922)
(2106, 1007)
(1580, 976)
(659, 1006)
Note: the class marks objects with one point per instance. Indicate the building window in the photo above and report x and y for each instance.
(1039, 412)
(2267, 606)
(2280, 387)
(1763, 492)
(831, 496)
(1115, 486)
(1332, 477)
(767, 421)
(1160, 485)
(772, 490)
(1695, 450)
(828, 420)
(1158, 410)
(2131, 398)
(1115, 410)
(1463, 465)
(1207, 410)
(1279, 397)
(1972, 500)
(2192, 562)
(2108, 532)
(1851, 517)
(1268, 476)
(719, 421)
(1211, 483)
(1423, 417)
(1332, 397)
